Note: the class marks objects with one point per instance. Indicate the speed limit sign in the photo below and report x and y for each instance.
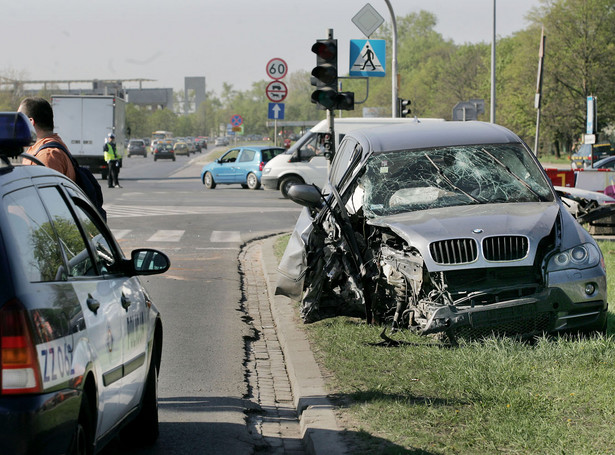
(277, 68)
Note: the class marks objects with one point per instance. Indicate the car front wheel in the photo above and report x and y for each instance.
(252, 182)
(208, 181)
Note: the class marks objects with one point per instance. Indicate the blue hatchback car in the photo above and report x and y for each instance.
(243, 165)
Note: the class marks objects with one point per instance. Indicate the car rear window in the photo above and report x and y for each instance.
(270, 153)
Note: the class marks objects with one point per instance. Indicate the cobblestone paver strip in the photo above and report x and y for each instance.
(266, 371)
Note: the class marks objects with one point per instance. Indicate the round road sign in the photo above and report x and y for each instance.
(276, 91)
(236, 120)
(277, 68)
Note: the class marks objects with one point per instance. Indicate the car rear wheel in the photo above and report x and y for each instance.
(208, 181)
(252, 181)
(287, 183)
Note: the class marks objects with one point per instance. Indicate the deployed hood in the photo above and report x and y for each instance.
(472, 224)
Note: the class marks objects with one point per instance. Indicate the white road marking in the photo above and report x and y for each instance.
(166, 236)
(121, 233)
(123, 211)
(225, 236)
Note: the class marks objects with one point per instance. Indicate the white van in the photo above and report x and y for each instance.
(304, 161)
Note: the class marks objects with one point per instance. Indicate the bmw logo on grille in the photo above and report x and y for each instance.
(477, 231)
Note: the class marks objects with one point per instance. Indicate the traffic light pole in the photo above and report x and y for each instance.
(330, 116)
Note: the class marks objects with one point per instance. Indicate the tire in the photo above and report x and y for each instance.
(83, 439)
(244, 186)
(104, 175)
(252, 181)
(173, 158)
(155, 158)
(143, 430)
(287, 183)
(208, 181)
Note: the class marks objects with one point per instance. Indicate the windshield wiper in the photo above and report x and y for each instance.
(507, 169)
(450, 182)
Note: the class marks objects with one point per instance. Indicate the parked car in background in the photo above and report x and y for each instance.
(181, 148)
(136, 147)
(77, 328)
(192, 148)
(447, 228)
(221, 141)
(243, 165)
(202, 142)
(163, 150)
(605, 163)
(587, 154)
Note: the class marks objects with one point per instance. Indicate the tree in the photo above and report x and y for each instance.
(579, 61)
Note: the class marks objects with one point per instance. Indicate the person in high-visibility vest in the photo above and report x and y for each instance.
(112, 157)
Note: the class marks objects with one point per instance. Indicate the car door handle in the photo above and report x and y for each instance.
(125, 302)
(92, 303)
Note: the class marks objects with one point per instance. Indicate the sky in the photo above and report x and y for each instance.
(225, 41)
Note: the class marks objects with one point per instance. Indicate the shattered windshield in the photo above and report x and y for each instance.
(409, 180)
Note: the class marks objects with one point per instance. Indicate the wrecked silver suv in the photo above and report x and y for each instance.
(448, 228)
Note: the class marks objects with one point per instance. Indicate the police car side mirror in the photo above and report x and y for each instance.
(146, 261)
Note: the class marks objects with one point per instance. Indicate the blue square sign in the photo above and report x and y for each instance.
(367, 57)
(276, 111)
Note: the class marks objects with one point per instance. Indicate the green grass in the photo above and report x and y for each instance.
(497, 396)
(552, 159)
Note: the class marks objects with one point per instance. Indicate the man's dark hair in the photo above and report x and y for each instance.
(40, 110)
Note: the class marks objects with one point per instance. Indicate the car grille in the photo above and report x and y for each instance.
(522, 327)
(454, 251)
(505, 248)
(464, 251)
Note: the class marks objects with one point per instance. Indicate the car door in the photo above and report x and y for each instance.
(245, 165)
(224, 168)
(134, 315)
(103, 313)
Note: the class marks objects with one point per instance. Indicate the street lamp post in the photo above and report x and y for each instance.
(394, 88)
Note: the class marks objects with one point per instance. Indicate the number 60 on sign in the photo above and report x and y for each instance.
(277, 68)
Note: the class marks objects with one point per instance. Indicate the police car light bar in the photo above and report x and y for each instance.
(16, 132)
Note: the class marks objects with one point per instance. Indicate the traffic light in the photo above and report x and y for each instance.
(324, 75)
(324, 78)
(403, 107)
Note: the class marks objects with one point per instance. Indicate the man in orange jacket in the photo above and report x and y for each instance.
(40, 113)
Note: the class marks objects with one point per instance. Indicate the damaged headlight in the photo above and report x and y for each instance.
(580, 257)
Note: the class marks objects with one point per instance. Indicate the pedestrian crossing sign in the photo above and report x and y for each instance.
(367, 57)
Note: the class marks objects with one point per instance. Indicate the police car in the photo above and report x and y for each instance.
(80, 339)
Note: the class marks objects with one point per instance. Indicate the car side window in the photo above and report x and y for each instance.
(103, 252)
(247, 156)
(230, 157)
(34, 236)
(342, 160)
(73, 244)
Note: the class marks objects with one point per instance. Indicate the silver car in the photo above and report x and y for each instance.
(450, 228)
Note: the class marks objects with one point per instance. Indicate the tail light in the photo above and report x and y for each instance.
(20, 372)
(261, 166)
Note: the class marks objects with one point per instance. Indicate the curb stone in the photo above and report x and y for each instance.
(319, 428)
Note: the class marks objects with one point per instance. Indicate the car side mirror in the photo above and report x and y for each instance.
(306, 195)
(146, 261)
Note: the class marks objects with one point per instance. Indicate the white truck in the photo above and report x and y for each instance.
(305, 163)
(84, 121)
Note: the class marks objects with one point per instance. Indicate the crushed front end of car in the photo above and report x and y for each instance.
(465, 241)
